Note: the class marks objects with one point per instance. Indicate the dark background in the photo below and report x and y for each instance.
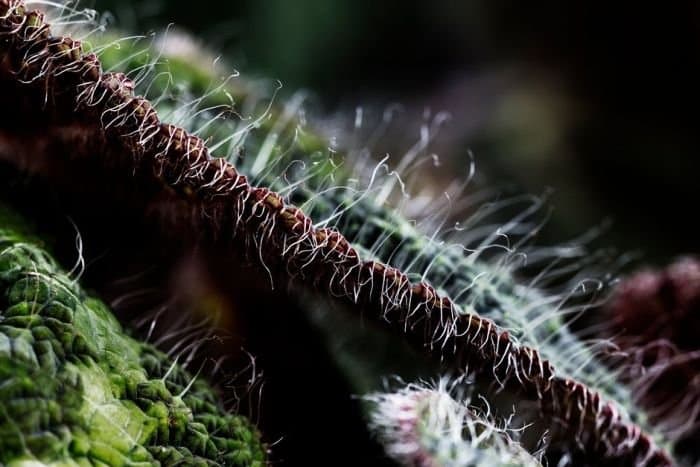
(595, 100)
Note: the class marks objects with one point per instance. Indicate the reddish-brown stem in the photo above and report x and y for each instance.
(99, 111)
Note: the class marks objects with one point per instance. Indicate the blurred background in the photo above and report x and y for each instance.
(596, 101)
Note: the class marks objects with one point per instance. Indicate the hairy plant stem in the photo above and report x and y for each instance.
(87, 115)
